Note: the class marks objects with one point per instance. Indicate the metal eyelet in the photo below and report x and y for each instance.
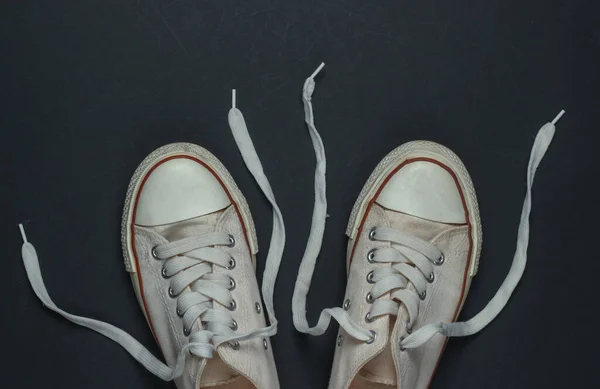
(370, 278)
(346, 305)
(408, 328)
(172, 293)
(258, 308)
(154, 254)
(423, 295)
(265, 344)
(440, 260)
(340, 340)
(400, 344)
(370, 298)
(235, 345)
(371, 256)
(373, 337)
(231, 241)
(234, 325)
(369, 318)
(186, 332)
(163, 272)
(231, 283)
(372, 233)
(431, 277)
(179, 313)
(232, 306)
(231, 265)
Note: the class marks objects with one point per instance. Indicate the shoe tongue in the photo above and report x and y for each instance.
(382, 368)
(186, 228)
(421, 228)
(217, 374)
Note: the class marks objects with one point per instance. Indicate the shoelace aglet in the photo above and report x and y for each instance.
(22, 229)
(557, 118)
(233, 98)
(321, 66)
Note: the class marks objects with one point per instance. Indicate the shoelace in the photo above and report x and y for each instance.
(398, 279)
(218, 323)
(400, 276)
(188, 264)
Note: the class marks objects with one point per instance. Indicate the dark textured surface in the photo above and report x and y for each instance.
(88, 88)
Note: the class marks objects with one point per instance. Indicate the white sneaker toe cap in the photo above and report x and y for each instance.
(426, 190)
(179, 189)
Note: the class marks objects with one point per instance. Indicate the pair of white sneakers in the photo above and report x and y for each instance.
(190, 247)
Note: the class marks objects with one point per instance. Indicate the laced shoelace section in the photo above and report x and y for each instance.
(187, 263)
(405, 273)
(412, 262)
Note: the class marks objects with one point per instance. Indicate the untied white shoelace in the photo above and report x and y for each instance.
(423, 334)
(199, 341)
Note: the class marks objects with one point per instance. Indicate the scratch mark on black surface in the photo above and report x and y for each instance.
(347, 11)
(168, 26)
(172, 3)
(221, 20)
(311, 46)
(276, 88)
(257, 12)
(150, 26)
(285, 33)
(383, 35)
(434, 12)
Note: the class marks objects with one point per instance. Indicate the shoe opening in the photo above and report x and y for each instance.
(217, 375)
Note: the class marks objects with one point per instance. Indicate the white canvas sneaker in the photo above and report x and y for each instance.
(189, 245)
(414, 245)
(415, 239)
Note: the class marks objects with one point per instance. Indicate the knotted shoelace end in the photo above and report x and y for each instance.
(309, 84)
(309, 88)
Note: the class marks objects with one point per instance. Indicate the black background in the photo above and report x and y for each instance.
(88, 88)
